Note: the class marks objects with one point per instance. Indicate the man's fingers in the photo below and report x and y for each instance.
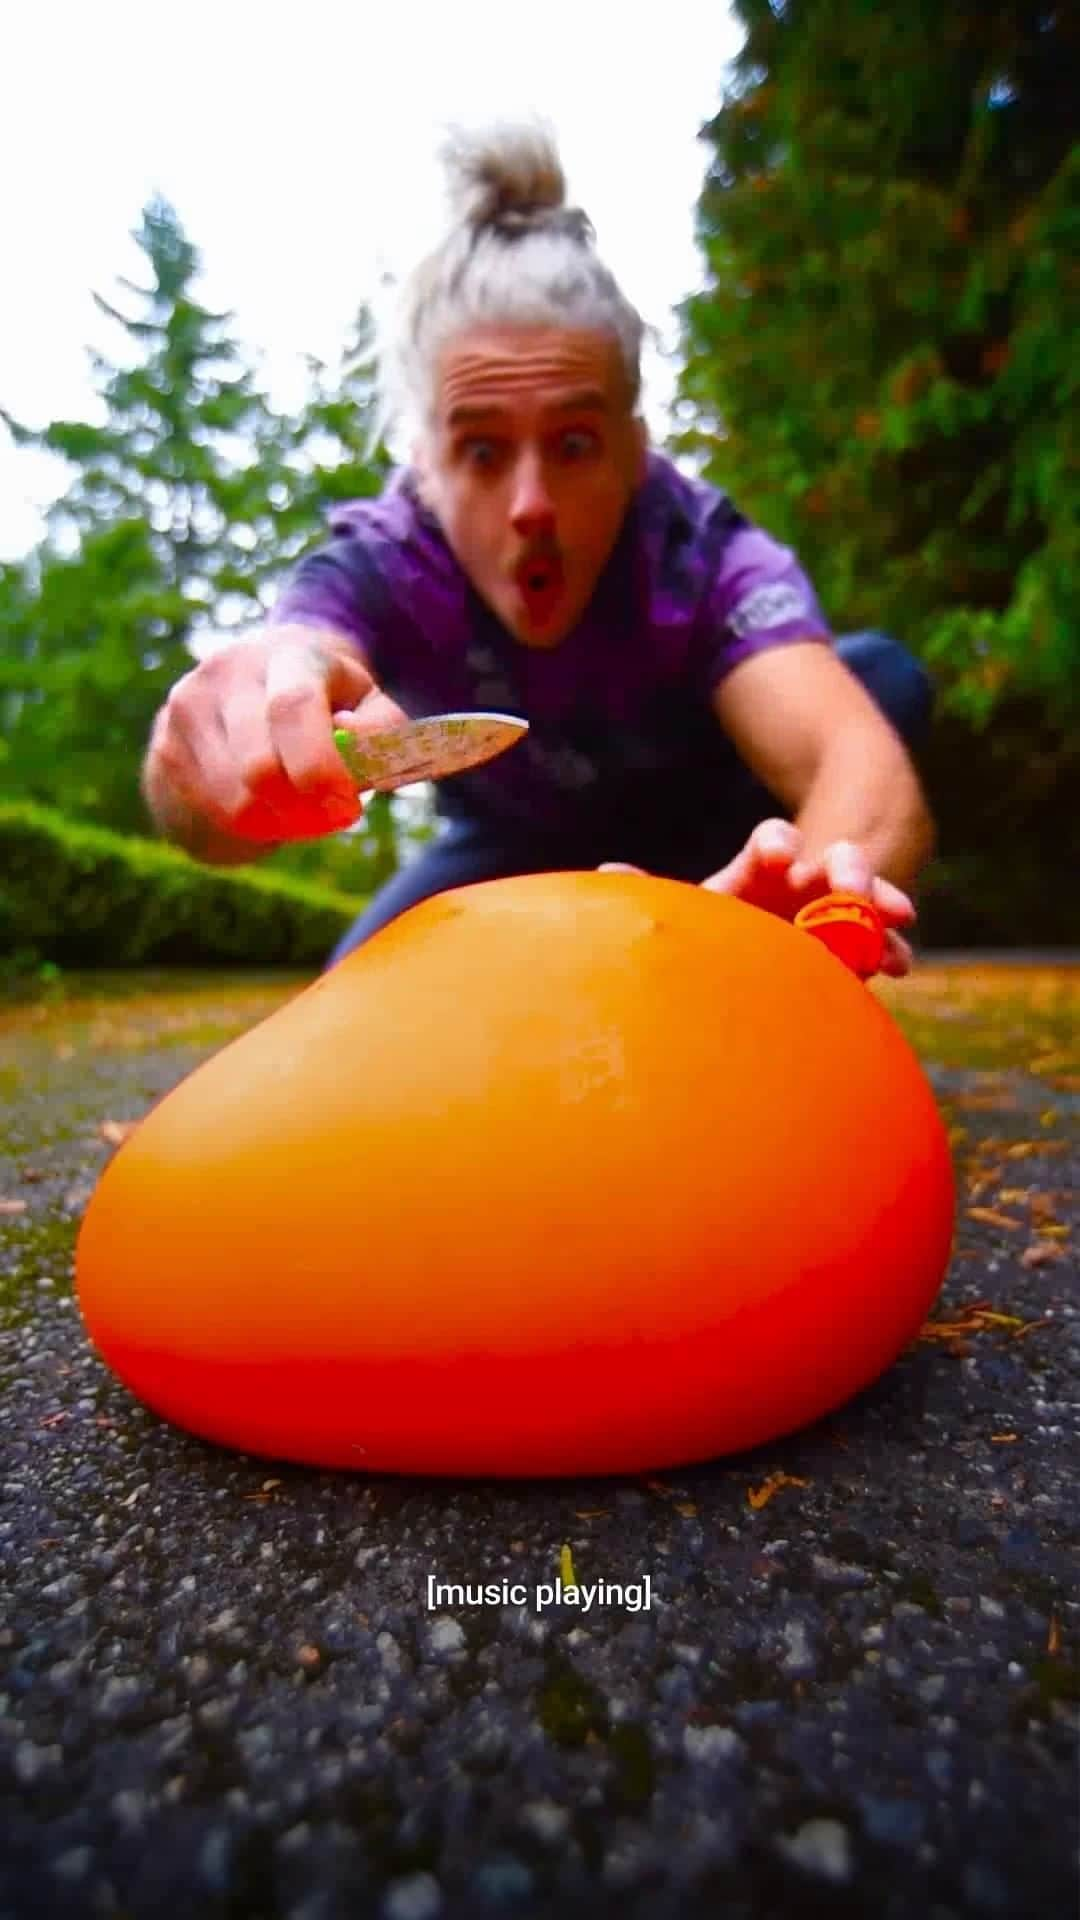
(205, 774)
(291, 736)
(617, 866)
(374, 713)
(774, 843)
(896, 906)
(348, 681)
(898, 958)
(847, 868)
(769, 850)
(337, 667)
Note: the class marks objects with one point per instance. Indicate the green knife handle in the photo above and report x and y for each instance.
(347, 748)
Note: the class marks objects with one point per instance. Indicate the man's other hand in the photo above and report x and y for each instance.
(772, 872)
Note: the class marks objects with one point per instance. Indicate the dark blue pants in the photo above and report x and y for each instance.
(467, 851)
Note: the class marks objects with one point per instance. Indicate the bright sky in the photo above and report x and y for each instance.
(298, 148)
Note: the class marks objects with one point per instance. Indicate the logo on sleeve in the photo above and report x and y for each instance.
(767, 607)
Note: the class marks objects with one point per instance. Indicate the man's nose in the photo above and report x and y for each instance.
(532, 509)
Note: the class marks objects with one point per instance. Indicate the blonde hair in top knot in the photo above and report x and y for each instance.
(515, 254)
(506, 170)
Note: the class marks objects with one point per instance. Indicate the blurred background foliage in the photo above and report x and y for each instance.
(184, 509)
(880, 366)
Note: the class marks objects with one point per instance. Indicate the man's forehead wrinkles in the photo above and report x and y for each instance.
(484, 376)
(553, 367)
(479, 408)
(548, 374)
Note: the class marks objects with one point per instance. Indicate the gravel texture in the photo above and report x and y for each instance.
(223, 1691)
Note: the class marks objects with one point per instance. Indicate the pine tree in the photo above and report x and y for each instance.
(184, 509)
(190, 446)
(882, 366)
(154, 530)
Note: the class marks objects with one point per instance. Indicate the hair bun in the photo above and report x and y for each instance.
(502, 172)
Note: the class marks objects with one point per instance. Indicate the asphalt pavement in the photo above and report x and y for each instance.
(224, 1690)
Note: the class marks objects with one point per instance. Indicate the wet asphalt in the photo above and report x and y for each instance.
(224, 1691)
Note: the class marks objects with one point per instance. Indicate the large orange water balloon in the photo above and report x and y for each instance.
(565, 1174)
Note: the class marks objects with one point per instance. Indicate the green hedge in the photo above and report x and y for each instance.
(1007, 806)
(83, 897)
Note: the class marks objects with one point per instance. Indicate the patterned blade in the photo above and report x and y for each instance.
(427, 749)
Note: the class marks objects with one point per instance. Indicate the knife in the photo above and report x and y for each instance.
(427, 749)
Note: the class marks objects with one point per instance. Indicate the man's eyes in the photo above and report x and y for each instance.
(480, 453)
(574, 444)
(578, 442)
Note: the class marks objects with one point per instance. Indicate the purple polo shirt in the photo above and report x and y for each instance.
(619, 711)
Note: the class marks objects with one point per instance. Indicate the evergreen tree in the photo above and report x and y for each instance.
(154, 533)
(183, 421)
(184, 509)
(882, 366)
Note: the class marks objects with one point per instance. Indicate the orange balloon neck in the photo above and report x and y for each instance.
(850, 927)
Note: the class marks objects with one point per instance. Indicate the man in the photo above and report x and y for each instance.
(683, 690)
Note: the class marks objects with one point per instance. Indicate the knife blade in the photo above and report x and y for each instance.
(427, 749)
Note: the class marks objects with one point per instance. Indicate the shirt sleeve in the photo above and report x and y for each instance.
(759, 598)
(336, 586)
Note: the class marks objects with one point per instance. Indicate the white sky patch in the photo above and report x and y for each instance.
(298, 149)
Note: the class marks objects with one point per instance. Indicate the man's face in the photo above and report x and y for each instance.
(530, 464)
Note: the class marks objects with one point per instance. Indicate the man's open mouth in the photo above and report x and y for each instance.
(537, 575)
(540, 583)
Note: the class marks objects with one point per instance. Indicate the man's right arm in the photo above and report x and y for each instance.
(242, 756)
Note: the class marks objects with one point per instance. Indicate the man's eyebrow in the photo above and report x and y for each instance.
(466, 416)
(588, 400)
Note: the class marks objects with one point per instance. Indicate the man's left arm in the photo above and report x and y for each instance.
(812, 734)
(859, 820)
